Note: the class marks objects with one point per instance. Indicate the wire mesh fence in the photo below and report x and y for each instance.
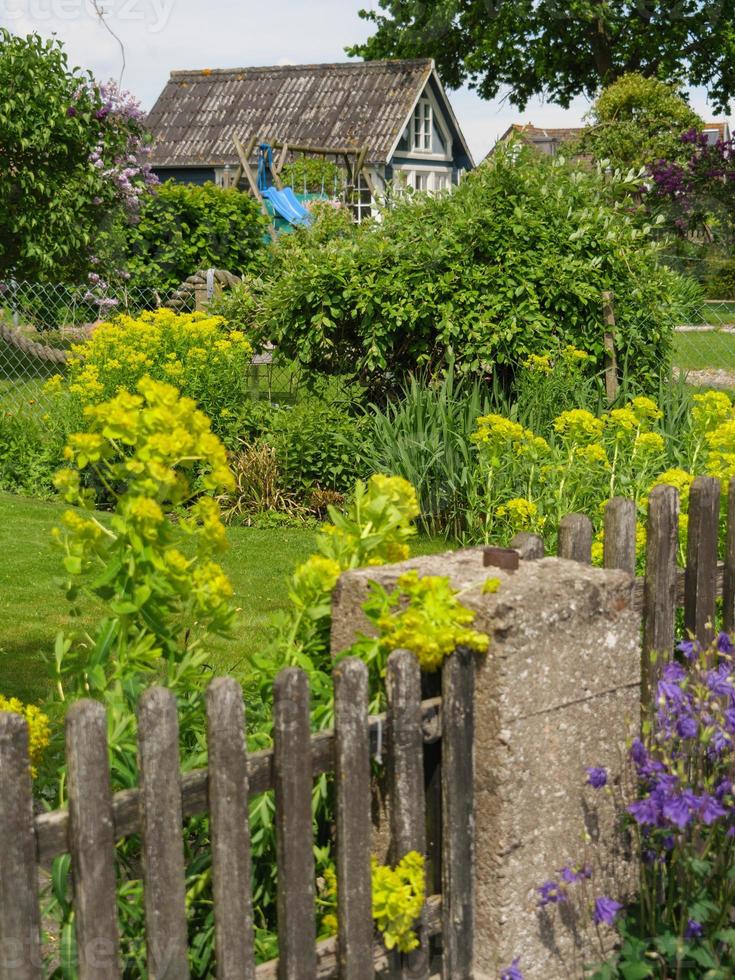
(40, 322)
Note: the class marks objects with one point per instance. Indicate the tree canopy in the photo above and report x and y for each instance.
(638, 120)
(560, 50)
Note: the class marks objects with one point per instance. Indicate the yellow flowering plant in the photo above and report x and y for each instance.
(525, 483)
(159, 578)
(193, 351)
(398, 899)
(39, 730)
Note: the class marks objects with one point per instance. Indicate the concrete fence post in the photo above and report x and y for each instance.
(558, 691)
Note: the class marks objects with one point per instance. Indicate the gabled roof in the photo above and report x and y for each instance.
(533, 134)
(351, 104)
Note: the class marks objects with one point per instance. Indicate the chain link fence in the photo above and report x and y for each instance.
(40, 322)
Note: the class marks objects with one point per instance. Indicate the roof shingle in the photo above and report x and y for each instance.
(350, 104)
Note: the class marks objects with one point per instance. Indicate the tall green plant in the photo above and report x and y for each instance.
(425, 437)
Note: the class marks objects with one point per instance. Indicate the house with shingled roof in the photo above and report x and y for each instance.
(397, 111)
(551, 140)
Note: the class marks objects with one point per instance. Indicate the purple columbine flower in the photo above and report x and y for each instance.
(725, 644)
(710, 809)
(645, 812)
(512, 972)
(677, 808)
(689, 648)
(606, 910)
(674, 672)
(723, 788)
(693, 930)
(572, 877)
(596, 777)
(550, 893)
(687, 728)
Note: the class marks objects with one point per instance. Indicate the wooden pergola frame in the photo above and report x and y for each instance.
(354, 159)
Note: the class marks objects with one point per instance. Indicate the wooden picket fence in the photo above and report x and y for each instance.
(665, 587)
(96, 819)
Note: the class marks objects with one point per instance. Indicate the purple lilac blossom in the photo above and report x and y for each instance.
(606, 910)
(596, 777)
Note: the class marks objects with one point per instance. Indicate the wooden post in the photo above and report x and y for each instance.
(700, 592)
(228, 806)
(575, 538)
(458, 863)
(20, 917)
(353, 798)
(295, 847)
(659, 604)
(163, 845)
(406, 779)
(611, 359)
(529, 546)
(728, 601)
(200, 297)
(92, 842)
(620, 528)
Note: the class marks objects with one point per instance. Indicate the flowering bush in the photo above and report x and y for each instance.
(73, 155)
(528, 483)
(192, 351)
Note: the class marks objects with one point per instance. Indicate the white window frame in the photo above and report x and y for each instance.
(422, 126)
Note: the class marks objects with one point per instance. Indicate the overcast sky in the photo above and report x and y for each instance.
(162, 35)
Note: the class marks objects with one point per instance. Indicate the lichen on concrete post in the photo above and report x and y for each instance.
(557, 692)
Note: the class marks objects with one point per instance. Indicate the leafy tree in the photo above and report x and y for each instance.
(637, 120)
(71, 155)
(560, 50)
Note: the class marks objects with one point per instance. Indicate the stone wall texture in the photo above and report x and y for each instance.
(558, 691)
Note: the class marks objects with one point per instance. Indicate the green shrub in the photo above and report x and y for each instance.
(515, 261)
(320, 441)
(183, 228)
(31, 450)
(721, 280)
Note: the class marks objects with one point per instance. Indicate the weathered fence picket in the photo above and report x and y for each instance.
(575, 538)
(295, 851)
(660, 589)
(164, 884)
(92, 842)
(700, 591)
(354, 828)
(20, 917)
(728, 585)
(406, 780)
(228, 805)
(458, 885)
(620, 528)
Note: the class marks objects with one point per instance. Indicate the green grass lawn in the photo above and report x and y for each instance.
(700, 350)
(718, 313)
(33, 607)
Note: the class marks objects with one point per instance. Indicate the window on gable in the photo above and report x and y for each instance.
(422, 126)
